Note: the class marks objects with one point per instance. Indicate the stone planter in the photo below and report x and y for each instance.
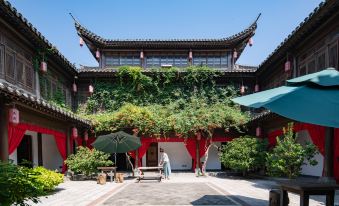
(78, 177)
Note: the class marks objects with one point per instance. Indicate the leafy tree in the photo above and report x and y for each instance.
(288, 156)
(244, 154)
(86, 161)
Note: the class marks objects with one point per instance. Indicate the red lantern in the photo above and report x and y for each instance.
(250, 41)
(256, 88)
(258, 131)
(190, 55)
(86, 135)
(14, 116)
(141, 55)
(90, 89)
(97, 54)
(235, 54)
(242, 89)
(81, 42)
(287, 66)
(74, 88)
(74, 132)
(43, 67)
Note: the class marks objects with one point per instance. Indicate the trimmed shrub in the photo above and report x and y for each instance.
(46, 179)
(288, 156)
(86, 161)
(244, 154)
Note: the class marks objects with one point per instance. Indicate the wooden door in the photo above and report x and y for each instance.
(24, 151)
(152, 155)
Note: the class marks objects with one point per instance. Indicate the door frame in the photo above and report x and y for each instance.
(153, 144)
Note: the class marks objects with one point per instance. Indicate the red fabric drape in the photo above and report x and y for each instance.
(60, 140)
(89, 142)
(16, 133)
(191, 148)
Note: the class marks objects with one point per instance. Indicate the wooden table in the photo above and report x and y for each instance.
(305, 189)
(108, 171)
(154, 177)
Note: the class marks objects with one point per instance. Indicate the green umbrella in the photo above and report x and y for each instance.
(312, 98)
(119, 142)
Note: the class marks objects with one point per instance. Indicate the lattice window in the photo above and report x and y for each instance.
(2, 59)
(321, 61)
(10, 66)
(333, 56)
(20, 74)
(29, 75)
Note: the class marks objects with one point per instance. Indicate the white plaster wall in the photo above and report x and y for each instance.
(50, 155)
(213, 162)
(302, 138)
(178, 155)
(144, 160)
(14, 157)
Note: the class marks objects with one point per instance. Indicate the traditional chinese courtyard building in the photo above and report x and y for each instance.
(33, 75)
(35, 80)
(219, 54)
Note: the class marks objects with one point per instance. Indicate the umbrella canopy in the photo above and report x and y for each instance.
(119, 142)
(312, 98)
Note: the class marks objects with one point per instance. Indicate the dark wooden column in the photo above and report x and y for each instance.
(3, 130)
(197, 163)
(40, 160)
(68, 138)
(329, 151)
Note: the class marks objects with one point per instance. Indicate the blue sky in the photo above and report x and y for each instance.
(165, 19)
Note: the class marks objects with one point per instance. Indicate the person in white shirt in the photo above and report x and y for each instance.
(164, 161)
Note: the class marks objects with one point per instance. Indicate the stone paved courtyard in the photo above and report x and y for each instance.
(169, 194)
(181, 189)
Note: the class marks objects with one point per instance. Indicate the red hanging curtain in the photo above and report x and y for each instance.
(191, 148)
(15, 135)
(60, 140)
(79, 141)
(89, 142)
(317, 134)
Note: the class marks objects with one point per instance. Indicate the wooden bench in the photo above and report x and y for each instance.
(110, 171)
(142, 176)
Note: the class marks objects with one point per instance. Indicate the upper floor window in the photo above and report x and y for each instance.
(212, 59)
(123, 59)
(160, 59)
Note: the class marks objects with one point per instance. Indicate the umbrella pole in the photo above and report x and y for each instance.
(328, 159)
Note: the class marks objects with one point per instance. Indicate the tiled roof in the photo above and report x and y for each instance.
(237, 41)
(236, 69)
(310, 23)
(29, 99)
(19, 22)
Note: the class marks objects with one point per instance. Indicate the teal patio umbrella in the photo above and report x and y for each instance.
(119, 142)
(312, 98)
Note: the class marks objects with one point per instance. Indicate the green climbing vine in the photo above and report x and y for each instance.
(163, 102)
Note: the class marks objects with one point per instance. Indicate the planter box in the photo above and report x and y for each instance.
(78, 177)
